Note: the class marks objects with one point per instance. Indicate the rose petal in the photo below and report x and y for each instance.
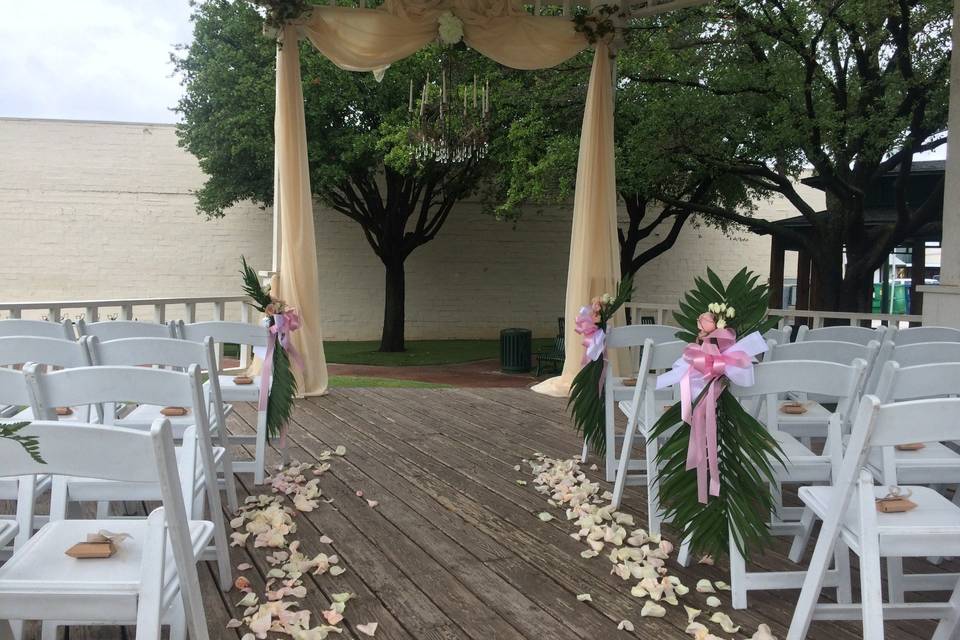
(625, 625)
(367, 629)
(652, 610)
(584, 597)
(704, 586)
(725, 622)
(713, 602)
(763, 633)
(233, 623)
(544, 516)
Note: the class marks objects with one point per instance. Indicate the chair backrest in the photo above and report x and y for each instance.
(860, 335)
(169, 352)
(54, 352)
(633, 335)
(14, 390)
(773, 379)
(910, 355)
(898, 383)
(38, 328)
(780, 336)
(224, 332)
(913, 335)
(108, 385)
(119, 329)
(824, 351)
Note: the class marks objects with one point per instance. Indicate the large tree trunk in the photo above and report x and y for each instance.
(393, 306)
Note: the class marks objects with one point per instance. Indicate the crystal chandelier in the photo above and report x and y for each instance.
(445, 131)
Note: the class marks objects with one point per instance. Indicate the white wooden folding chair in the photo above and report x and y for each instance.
(38, 328)
(119, 329)
(151, 581)
(643, 410)
(108, 385)
(783, 335)
(628, 342)
(911, 355)
(772, 381)
(913, 335)
(851, 520)
(52, 352)
(171, 352)
(844, 333)
(245, 335)
(15, 391)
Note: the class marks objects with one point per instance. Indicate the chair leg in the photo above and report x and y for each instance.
(611, 436)
(738, 577)
(895, 589)
(229, 483)
(584, 451)
(947, 629)
(178, 621)
(802, 538)
(622, 467)
(841, 560)
(103, 510)
(260, 455)
(48, 630)
(654, 518)
(683, 557)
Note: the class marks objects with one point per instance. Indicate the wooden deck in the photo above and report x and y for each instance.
(454, 549)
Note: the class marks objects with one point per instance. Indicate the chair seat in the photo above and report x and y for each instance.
(803, 465)
(932, 529)
(935, 463)
(79, 414)
(230, 391)
(143, 415)
(41, 568)
(816, 414)
(96, 489)
(8, 531)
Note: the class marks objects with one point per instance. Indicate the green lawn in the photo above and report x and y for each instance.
(340, 382)
(419, 352)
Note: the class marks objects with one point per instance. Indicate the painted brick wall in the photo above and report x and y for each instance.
(104, 210)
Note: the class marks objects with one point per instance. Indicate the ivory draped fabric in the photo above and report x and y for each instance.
(299, 284)
(370, 40)
(594, 264)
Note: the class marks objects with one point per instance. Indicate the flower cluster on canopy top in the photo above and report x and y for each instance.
(449, 28)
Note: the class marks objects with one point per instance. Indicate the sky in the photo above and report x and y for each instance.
(91, 60)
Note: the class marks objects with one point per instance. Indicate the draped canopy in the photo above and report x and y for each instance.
(358, 39)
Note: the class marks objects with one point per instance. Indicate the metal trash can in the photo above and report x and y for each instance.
(516, 346)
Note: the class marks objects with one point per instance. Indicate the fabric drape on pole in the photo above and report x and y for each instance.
(370, 40)
(298, 282)
(594, 265)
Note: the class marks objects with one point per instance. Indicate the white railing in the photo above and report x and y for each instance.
(663, 314)
(156, 309)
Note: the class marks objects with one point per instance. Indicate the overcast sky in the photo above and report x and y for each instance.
(91, 60)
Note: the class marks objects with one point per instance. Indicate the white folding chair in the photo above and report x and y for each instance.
(119, 329)
(783, 335)
(52, 352)
(15, 391)
(772, 381)
(911, 355)
(913, 335)
(844, 333)
(642, 411)
(37, 328)
(245, 335)
(151, 581)
(628, 341)
(108, 385)
(171, 352)
(851, 520)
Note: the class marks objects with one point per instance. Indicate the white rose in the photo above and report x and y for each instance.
(721, 323)
(730, 312)
(450, 28)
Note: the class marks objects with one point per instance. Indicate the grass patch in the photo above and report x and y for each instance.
(419, 352)
(343, 382)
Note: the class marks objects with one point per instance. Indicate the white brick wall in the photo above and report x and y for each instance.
(104, 210)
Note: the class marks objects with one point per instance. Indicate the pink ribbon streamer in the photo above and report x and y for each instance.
(705, 366)
(594, 340)
(283, 325)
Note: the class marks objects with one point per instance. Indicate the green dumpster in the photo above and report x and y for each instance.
(516, 346)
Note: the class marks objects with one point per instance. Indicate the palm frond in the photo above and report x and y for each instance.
(252, 286)
(30, 444)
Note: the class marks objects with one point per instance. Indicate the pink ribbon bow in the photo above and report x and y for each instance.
(283, 325)
(704, 366)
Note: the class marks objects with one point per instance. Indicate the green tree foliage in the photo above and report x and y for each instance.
(850, 89)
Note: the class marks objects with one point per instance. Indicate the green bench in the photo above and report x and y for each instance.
(554, 355)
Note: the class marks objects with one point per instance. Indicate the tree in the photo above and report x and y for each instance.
(852, 89)
(541, 165)
(364, 160)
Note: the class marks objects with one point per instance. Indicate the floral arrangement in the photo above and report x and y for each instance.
(278, 386)
(600, 24)
(279, 12)
(715, 476)
(586, 392)
(449, 28)
(29, 443)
